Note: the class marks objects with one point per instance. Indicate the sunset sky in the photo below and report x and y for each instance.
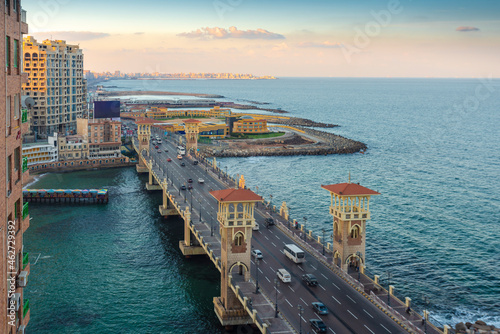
(313, 38)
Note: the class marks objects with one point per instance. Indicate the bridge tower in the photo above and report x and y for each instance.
(236, 218)
(143, 135)
(192, 128)
(350, 208)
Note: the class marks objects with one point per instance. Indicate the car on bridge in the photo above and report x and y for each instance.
(319, 308)
(284, 275)
(190, 180)
(169, 160)
(195, 162)
(200, 180)
(317, 325)
(183, 187)
(257, 254)
(190, 186)
(183, 164)
(179, 157)
(255, 227)
(156, 146)
(310, 279)
(159, 151)
(269, 221)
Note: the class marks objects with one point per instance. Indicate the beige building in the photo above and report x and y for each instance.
(103, 136)
(73, 148)
(14, 263)
(55, 82)
(41, 152)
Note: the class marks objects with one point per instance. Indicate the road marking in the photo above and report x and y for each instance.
(314, 267)
(385, 328)
(332, 330)
(321, 287)
(267, 279)
(289, 302)
(336, 300)
(369, 329)
(291, 288)
(278, 237)
(336, 285)
(266, 237)
(271, 232)
(264, 261)
(303, 319)
(324, 276)
(356, 317)
(273, 244)
(351, 299)
(300, 268)
(263, 272)
(304, 301)
(368, 313)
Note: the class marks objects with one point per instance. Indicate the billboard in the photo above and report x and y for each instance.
(106, 109)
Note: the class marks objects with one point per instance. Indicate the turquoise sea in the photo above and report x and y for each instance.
(432, 154)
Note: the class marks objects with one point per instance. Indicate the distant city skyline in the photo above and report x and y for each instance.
(316, 38)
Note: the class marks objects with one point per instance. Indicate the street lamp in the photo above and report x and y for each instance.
(257, 274)
(424, 320)
(271, 205)
(323, 240)
(191, 192)
(389, 288)
(277, 284)
(305, 221)
(212, 225)
(301, 310)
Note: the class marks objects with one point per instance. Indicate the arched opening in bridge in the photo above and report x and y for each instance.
(336, 258)
(354, 261)
(238, 268)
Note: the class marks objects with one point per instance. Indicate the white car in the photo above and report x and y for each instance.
(257, 254)
(200, 180)
(255, 227)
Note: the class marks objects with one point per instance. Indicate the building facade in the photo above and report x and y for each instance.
(72, 148)
(55, 82)
(14, 271)
(103, 136)
(247, 124)
(40, 152)
(164, 113)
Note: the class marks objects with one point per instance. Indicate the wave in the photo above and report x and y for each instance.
(36, 178)
(467, 314)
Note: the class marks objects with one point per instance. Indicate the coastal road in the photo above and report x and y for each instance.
(349, 311)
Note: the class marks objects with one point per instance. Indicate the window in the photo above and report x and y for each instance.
(16, 53)
(238, 239)
(9, 175)
(355, 232)
(17, 109)
(7, 53)
(7, 115)
(7, 5)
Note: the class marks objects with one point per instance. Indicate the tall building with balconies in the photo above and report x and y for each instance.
(56, 83)
(14, 264)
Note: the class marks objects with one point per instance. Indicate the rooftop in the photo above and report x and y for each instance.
(236, 195)
(349, 189)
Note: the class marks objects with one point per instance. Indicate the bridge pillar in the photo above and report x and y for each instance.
(167, 208)
(152, 184)
(189, 246)
(350, 208)
(236, 217)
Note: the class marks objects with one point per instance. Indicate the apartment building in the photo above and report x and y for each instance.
(103, 136)
(40, 152)
(73, 148)
(14, 263)
(55, 82)
(247, 124)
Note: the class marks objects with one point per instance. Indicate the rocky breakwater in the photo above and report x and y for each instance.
(297, 121)
(478, 327)
(321, 143)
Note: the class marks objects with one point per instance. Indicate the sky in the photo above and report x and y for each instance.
(331, 38)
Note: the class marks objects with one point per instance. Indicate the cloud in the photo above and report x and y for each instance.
(280, 47)
(73, 36)
(325, 45)
(139, 33)
(466, 29)
(233, 32)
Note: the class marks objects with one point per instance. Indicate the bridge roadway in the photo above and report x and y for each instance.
(349, 310)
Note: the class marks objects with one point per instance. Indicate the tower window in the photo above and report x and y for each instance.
(238, 239)
(355, 232)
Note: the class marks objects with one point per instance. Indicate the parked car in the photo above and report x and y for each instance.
(200, 180)
(319, 308)
(310, 279)
(317, 325)
(257, 254)
(284, 275)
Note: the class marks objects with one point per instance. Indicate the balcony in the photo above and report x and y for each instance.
(25, 164)
(26, 260)
(24, 116)
(25, 210)
(26, 312)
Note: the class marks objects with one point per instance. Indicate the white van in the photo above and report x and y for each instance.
(284, 275)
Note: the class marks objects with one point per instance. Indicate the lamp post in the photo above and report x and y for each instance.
(257, 275)
(301, 310)
(191, 192)
(277, 284)
(305, 221)
(200, 209)
(225, 175)
(323, 240)
(389, 288)
(271, 205)
(424, 319)
(212, 225)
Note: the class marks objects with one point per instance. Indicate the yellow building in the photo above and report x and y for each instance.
(214, 130)
(72, 148)
(248, 124)
(42, 151)
(55, 82)
(164, 113)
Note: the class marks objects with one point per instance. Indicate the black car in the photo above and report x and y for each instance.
(195, 162)
(190, 180)
(310, 279)
(190, 186)
(317, 325)
(269, 221)
(183, 164)
(183, 187)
